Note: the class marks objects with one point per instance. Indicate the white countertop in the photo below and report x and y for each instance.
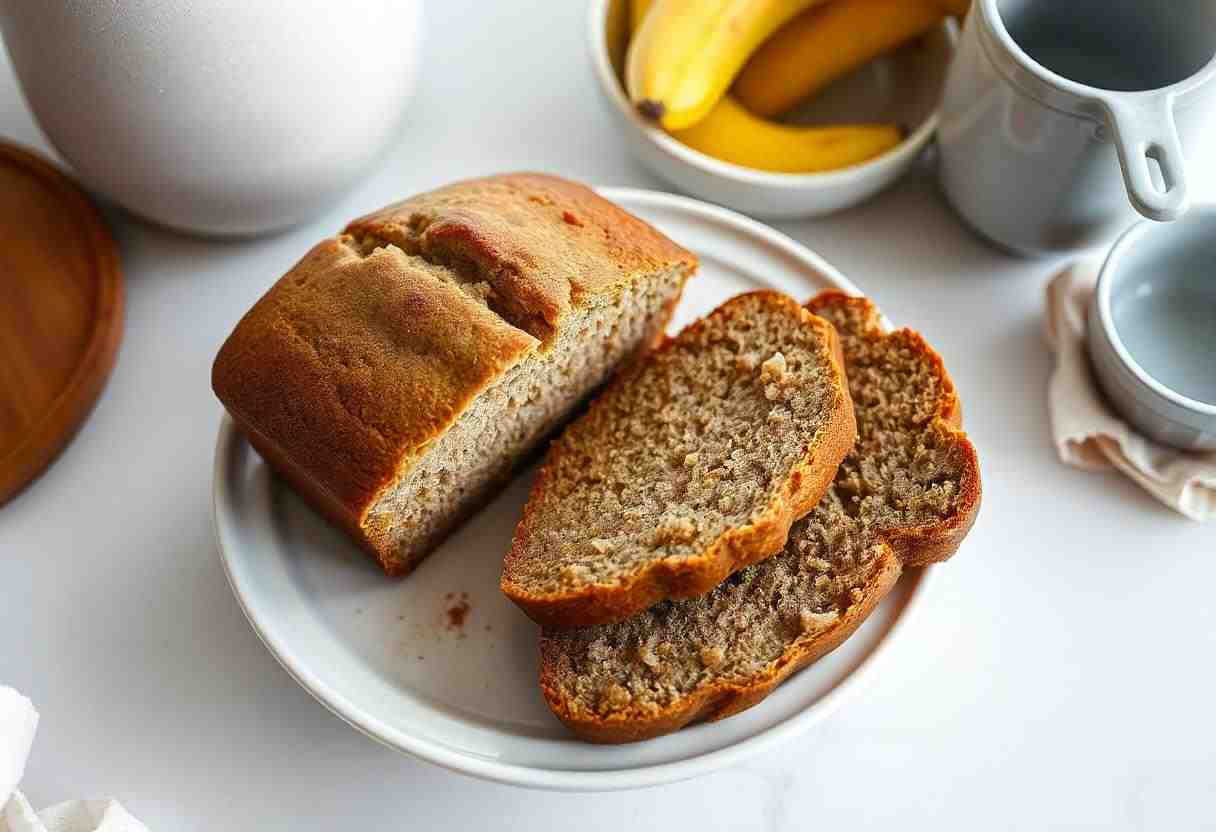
(1061, 675)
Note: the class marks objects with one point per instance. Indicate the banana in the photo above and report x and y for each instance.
(821, 45)
(733, 134)
(637, 12)
(687, 52)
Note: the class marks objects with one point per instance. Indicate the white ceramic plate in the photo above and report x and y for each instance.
(388, 657)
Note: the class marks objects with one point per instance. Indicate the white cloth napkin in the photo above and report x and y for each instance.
(18, 722)
(69, 816)
(1087, 432)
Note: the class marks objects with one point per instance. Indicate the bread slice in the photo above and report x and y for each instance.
(398, 373)
(905, 497)
(688, 468)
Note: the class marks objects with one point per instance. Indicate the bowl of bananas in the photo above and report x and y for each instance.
(776, 108)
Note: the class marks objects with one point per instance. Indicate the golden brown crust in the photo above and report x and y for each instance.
(901, 548)
(718, 701)
(937, 542)
(690, 576)
(346, 409)
(541, 242)
(361, 356)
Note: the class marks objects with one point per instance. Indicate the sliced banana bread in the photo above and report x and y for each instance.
(398, 373)
(689, 467)
(905, 496)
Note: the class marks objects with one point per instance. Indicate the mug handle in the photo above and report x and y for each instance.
(1144, 130)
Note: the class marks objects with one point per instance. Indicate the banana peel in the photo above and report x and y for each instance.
(828, 42)
(734, 135)
(686, 53)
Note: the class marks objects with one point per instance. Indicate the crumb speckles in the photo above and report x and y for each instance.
(456, 612)
(812, 622)
(899, 475)
(616, 697)
(774, 369)
(599, 650)
(668, 464)
(676, 530)
(649, 657)
(711, 657)
(508, 419)
(573, 573)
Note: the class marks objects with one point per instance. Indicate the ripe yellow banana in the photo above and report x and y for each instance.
(687, 52)
(637, 11)
(733, 134)
(823, 44)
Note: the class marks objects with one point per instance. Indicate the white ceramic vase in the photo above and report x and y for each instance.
(224, 117)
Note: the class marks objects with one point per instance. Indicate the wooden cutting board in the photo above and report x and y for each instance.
(61, 301)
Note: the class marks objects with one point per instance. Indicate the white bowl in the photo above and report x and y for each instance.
(904, 87)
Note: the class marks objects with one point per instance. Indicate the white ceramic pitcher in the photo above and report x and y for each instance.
(1061, 116)
(222, 116)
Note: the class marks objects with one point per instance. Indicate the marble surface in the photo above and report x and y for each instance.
(1061, 676)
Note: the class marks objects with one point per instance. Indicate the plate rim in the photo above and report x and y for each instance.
(564, 779)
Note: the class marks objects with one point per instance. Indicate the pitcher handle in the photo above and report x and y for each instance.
(1144, 130)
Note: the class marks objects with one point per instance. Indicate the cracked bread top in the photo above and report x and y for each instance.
(538, 243)
(377, 340)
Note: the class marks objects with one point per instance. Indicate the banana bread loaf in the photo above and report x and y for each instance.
(397, 374)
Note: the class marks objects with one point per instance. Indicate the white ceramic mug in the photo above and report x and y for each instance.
(1060, 117)
(218, 117)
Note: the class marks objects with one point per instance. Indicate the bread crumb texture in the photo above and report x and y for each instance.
(398, 372)
(527, 403)
(904, 472)
(701, 439)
